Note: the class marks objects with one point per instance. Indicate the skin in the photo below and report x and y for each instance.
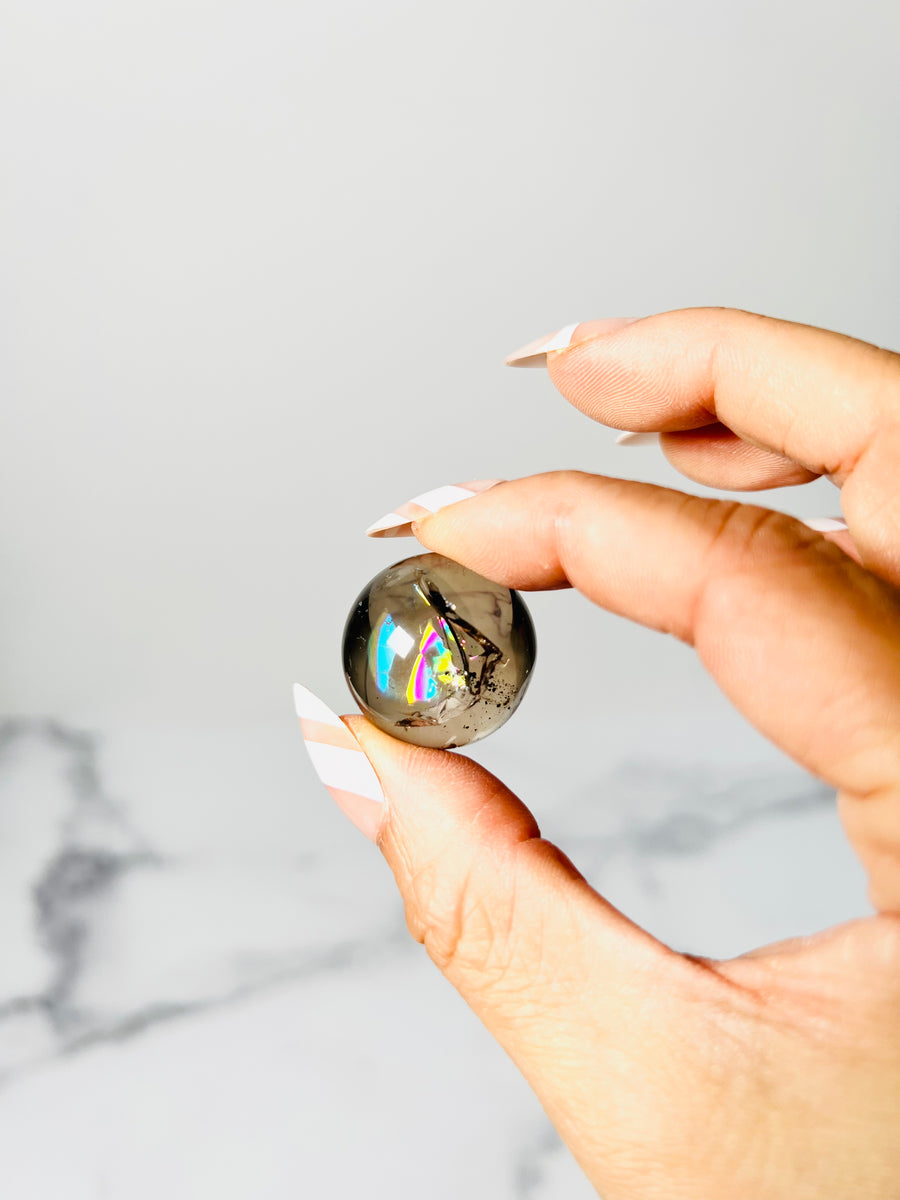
(776, 1074)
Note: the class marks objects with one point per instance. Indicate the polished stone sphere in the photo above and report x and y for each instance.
(437, 655)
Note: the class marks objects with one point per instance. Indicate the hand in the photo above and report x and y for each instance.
(776, 1074)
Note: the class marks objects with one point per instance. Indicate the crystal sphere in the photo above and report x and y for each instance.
(437, 655)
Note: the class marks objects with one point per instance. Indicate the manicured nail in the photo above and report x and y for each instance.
(340, 762)
(627, 438)
(826, 524)
(535, 353)
(399, 522)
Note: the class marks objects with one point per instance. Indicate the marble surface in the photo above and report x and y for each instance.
(207, 987)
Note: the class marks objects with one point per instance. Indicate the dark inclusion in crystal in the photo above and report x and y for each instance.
(435, 654)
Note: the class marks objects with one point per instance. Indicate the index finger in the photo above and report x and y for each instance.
(803, 640)
(824, 400)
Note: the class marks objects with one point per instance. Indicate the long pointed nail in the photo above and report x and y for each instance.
(399, 522)
(340, 762)
(628, 438)
(826, 524)
(535, 353)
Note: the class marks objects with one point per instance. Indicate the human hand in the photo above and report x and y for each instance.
(776, 1074)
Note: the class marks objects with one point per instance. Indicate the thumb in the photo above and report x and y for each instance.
(602, 1020)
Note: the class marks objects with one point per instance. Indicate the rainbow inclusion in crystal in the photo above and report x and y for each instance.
(435, 654)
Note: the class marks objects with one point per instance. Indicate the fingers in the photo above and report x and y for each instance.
(804, 641)
(828, 403)
(570, 988)
(718, 458)
(813, 396)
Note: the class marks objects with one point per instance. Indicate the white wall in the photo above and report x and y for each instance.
(262, 262)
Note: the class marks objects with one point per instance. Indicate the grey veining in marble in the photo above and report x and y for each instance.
(122, 929)
(72, 848)
(70, 858)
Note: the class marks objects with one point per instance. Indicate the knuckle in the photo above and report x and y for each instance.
(469, 923)
(743, 533)
(464, 931)
(745, 541)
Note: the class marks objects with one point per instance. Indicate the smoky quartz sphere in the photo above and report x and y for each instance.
(437, 655)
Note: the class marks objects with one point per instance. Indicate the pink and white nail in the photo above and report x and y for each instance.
(340, 762)
(827, 524)
(535, 353)
(399, 522)
(629, 437)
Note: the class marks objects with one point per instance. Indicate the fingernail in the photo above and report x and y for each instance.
(399, 522)
(826, 524)
(628, 438)
(535, 353)
(340, 762)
